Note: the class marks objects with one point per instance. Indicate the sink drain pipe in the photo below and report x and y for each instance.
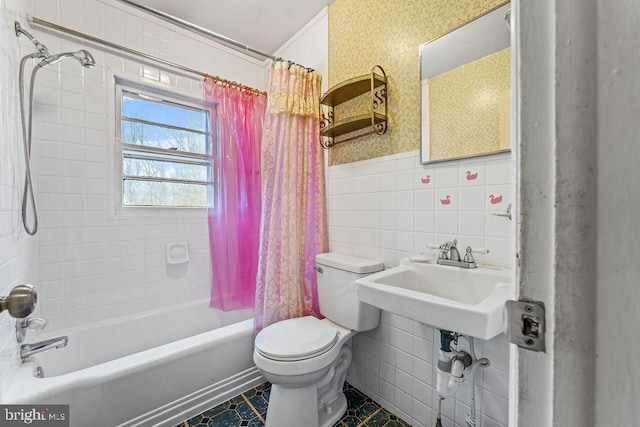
(449, 372)
(451, 365)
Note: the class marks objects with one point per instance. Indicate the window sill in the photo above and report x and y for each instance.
(159, 213)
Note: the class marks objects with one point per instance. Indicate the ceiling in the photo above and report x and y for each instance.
(264, 25)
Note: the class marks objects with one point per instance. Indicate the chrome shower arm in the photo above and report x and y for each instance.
(42, 49)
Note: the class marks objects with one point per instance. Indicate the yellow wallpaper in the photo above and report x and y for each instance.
(363, 33)
(458, 127)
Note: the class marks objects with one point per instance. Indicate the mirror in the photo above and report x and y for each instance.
(466, 90)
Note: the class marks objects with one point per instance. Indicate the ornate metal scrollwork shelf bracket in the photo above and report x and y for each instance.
(375, 119)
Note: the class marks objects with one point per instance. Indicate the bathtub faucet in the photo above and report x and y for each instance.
(27, 350)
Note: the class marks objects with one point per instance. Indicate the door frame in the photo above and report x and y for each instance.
(555, 164)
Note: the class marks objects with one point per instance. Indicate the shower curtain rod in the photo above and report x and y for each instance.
(195, 28)
(207, 33)
(74, 33)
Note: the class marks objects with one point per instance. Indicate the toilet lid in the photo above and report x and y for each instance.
(296, 339)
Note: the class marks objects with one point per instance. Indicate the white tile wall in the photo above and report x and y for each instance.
(389, 207)
(396, 366)
(94, 263)
(18, 252)
(87, 264)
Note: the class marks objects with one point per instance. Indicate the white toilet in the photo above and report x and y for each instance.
(306, 359)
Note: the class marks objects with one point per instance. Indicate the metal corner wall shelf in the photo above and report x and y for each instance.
(375, 84)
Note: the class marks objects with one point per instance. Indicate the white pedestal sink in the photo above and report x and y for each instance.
(468, 301)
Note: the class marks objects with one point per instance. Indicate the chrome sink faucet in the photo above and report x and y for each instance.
(449, 255)
(27, 350)
(449, 251)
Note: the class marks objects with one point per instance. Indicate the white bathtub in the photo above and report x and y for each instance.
(157, 368)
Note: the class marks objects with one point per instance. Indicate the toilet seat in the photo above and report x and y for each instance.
(296, 339)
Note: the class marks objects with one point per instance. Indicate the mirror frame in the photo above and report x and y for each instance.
(453, 49)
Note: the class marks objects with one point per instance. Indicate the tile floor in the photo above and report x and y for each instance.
(250, 409)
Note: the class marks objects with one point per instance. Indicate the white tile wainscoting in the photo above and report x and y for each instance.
(389, 207)
(395, 365)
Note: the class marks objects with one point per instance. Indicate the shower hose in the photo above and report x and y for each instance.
(27, 194)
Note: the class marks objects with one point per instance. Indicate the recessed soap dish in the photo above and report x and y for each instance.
(177, 252)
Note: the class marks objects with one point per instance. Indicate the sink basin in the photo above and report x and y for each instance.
(467, 301)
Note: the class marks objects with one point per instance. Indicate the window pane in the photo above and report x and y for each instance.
(146, 193)
(164, 169)
(160, 137)
(163, 112)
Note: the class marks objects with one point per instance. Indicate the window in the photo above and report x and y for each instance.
(166, 158)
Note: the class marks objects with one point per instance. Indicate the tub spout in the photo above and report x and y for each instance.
(27, 350)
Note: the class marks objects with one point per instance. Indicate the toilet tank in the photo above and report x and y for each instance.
(337, 297)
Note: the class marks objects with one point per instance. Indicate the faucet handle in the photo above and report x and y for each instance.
(36, 324)
(443, 248)
(468, 257)
(482, 251)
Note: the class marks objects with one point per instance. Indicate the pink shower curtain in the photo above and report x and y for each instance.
(234, 196)
(293, 226)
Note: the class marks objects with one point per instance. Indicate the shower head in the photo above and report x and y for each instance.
(85, 58)
(82, 56)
